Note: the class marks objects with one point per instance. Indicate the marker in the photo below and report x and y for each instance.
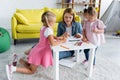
(64, 47)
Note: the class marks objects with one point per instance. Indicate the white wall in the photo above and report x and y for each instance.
(8, 7)
(104, 5)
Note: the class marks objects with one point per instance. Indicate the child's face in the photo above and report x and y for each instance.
(91, 18)
(68, 18)
(52, 22)
(85, 15)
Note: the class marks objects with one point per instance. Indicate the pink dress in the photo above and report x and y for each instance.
(96, 38)
(41, 54)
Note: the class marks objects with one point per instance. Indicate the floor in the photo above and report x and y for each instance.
(110, 50)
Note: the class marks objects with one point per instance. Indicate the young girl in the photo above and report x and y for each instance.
(41, 54)
(93, 31)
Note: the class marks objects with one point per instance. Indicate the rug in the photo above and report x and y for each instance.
(105, 69)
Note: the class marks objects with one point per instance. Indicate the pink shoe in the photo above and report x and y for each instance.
(83, 62)
(9, 72)
(15, 60)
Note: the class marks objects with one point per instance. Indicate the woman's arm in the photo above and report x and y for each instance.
(78, 30)
(60, 29)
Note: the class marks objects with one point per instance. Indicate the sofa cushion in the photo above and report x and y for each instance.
(55, 27)
(31, 28)
(21, 19)
(35, 28)
(57, 12)
(33, 15)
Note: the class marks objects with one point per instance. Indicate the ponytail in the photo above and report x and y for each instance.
(47, 17)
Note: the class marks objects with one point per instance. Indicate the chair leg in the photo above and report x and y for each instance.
(15, 41)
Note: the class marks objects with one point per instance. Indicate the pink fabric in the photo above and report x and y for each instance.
(41, 54)
(94, 38)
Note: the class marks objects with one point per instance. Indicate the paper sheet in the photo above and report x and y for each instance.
(67, 62)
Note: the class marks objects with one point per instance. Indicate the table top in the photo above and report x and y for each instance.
(70, 45)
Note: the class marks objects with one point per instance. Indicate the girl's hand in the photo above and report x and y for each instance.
(85, 40)
(96, 30)
(78, 35)
(59, 38)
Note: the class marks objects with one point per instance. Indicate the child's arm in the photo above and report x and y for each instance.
(96, 30)
(53, 42)
(58, 38)
(100, 27)
(84, 39)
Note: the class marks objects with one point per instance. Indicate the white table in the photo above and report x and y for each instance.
(71, 46)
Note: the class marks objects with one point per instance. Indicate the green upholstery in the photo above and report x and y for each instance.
(4, 40)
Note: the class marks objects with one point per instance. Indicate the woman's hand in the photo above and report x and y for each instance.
(66, 34)
(78, 35)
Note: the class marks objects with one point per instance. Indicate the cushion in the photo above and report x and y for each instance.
(58, 12)
(21, 18)
(32, 15)
(77, 18)
(55, 27)
(32, 28)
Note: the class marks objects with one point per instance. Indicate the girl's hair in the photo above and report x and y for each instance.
(70, 11)
(85, 10)
(91, 11)
(47, 17)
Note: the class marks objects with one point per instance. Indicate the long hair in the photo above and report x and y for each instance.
(70, 11)
(47, 17)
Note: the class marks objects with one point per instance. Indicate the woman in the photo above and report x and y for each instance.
(69, 27)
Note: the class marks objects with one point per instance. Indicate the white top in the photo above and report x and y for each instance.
(69, 30)
(48, 31)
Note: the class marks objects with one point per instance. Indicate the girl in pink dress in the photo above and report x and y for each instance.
(93, 31)
(41, 54)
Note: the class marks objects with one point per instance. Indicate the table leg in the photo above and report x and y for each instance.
(90, 63)
(56, 65)
(77, 55)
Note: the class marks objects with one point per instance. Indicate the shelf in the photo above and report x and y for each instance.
(95, 3)
(77, 3)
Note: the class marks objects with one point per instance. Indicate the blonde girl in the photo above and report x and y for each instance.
(41, 53)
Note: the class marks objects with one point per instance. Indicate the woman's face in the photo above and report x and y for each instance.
(68, 18)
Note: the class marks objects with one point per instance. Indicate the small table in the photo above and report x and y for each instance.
(70, 46)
